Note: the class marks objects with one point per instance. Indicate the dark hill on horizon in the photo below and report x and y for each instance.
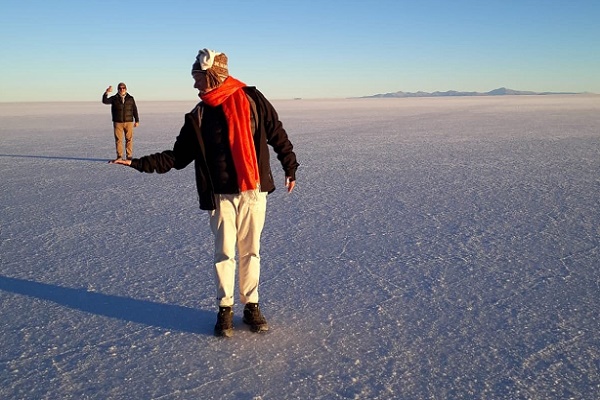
(496, 92)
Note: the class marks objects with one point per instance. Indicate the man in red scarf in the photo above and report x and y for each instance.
(227, 136)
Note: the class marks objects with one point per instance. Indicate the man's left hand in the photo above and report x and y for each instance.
(289, 184)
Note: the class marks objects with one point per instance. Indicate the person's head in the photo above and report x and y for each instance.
(209, 70)
(122, 89)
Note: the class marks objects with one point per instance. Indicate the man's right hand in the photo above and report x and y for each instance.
(109, 89)
(119, 161)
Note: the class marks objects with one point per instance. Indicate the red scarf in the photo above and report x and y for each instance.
(236, 107)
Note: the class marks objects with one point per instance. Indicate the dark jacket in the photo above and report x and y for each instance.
(122, 111)
(190, 146)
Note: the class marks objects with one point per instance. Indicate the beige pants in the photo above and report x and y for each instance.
(124, 129)
(237, 223)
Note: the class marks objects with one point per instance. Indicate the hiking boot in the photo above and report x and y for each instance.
(254, 318)
(224, 325)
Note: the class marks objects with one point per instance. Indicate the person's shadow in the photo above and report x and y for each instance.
(56, 157)
(166, 316)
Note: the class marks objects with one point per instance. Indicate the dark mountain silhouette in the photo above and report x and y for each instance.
(496, 92)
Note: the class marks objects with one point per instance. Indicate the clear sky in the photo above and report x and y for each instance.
(72, 50)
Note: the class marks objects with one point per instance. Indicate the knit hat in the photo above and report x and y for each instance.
(215, 65)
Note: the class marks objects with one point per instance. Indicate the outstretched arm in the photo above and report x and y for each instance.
(185, 150)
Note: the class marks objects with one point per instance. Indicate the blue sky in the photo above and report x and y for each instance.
(72, 50)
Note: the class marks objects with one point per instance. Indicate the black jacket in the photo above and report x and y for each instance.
(191, 146)
(122, 111)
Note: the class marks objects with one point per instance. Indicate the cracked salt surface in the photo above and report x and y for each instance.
(433, 248)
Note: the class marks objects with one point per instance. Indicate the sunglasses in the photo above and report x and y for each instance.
(122, 88)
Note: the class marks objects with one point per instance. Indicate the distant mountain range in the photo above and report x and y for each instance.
(496, 92)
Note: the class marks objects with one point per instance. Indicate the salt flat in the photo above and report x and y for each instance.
(434, 248)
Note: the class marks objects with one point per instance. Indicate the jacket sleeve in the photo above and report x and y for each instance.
(277, 137)
(135, 111)
(184, 151)
(106, 99)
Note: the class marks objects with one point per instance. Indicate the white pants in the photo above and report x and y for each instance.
(238, 221)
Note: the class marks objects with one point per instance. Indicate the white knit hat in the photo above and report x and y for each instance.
(210, 59)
